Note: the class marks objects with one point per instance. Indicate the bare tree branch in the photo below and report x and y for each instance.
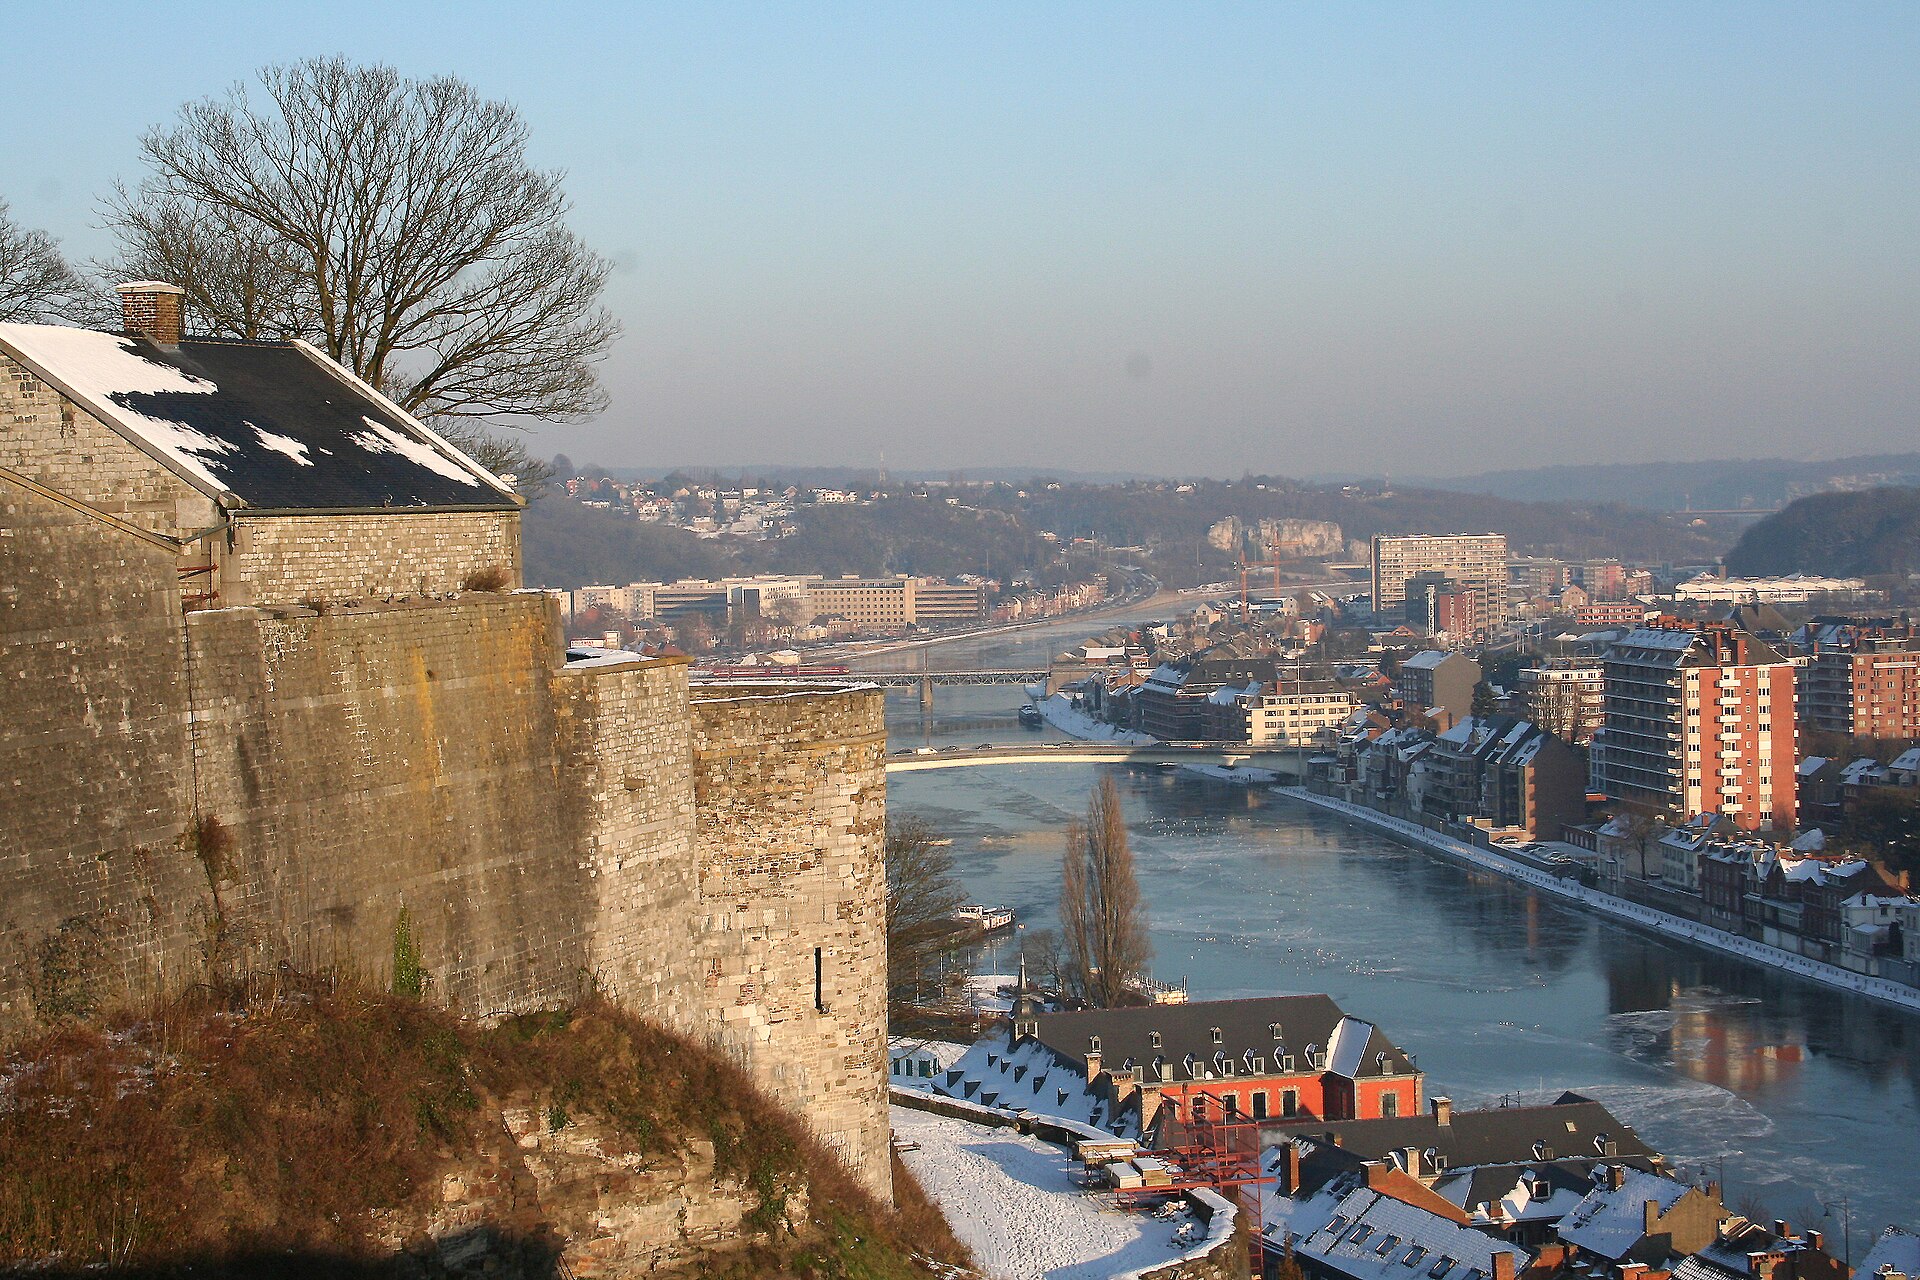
(921, 897)
(36, 284)
(395, 222)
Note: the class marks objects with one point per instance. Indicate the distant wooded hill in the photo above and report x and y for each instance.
(1723, 484)
(997, 532)
(1847, 535)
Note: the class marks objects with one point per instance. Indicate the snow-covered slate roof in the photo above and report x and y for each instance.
(1372, 1236)
(1863, 771)
(1425, 660)
(1898, 1249)
(1608, 1223)
(1030, 1077)
(277, 424)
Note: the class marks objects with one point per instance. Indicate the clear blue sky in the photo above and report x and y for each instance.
(1168, 238)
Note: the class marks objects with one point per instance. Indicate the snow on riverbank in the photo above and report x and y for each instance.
(1060, 712)
(1672, 926)
(1011, 1199)
(1238, 775)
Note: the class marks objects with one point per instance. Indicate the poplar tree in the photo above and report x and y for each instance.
(1101, 916)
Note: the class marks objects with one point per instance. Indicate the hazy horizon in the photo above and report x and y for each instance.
(1406, 239)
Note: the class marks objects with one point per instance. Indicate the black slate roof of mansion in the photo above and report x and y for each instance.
(1572, 1127)
(276, 424)
(1245, 1027)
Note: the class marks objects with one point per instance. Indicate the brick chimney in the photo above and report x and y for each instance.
(152, 310)
(1616, 1176)
(1502, 1265)
(1443, 1111)
(1290, 1168)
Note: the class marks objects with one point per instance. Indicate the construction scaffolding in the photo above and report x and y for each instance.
(1213, 1148)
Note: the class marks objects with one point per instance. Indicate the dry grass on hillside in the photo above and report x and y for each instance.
(259, 1128)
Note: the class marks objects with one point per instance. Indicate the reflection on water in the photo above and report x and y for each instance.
(1795, 1092)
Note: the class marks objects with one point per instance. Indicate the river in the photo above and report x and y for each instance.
(1796, 1096)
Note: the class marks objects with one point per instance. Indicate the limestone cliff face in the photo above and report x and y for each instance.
(1287, 538)
(528, 1189)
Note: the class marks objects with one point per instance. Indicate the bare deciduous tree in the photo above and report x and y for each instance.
(1101, 916)
(37, 286)
(921, 897)
(394, 222)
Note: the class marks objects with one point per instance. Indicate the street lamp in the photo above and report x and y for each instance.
(1846, 1226)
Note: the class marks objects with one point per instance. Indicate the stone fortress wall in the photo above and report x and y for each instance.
(242, 786)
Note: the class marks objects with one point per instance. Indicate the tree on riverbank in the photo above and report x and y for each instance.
(1102, 920)
(921, 896)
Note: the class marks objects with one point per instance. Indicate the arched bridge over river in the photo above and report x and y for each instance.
(1288, 762)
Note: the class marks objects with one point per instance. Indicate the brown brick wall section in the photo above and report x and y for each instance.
(790, 804)
(394, 756)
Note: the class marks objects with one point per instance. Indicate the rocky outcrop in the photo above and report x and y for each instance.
(548, 1185)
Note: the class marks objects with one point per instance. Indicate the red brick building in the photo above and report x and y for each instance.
(1699, 718)
(1862, 677)
(1278, 1057)
(1610, 613)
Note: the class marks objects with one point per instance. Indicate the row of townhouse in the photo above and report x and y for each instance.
(1831, 788)
(1220, 696)
(1830, 906)
(1500, 775)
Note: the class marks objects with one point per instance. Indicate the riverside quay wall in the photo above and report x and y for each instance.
(195, 790)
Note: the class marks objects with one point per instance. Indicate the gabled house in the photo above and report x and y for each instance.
(274, 474)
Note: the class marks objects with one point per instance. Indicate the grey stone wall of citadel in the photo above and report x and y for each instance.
(790, 805)
(545, 827)
(93, 757)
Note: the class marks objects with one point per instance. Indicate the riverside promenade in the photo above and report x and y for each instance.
(1631, 913)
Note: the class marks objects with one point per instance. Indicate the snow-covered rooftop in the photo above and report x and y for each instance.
(1609, 1221)
(276, 423)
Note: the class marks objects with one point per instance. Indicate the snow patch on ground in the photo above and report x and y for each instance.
(1012, 1200)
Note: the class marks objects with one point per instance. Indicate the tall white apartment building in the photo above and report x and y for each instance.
(1477, 560)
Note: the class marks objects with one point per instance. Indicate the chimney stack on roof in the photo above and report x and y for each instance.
(151, 310)
(1443, 1111)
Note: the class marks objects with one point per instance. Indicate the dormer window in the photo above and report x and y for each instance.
(1093, 1044)
(1217, 1037)
(1153, 1040)
(1273, 1029)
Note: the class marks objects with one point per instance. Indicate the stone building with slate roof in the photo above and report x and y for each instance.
(275, 473)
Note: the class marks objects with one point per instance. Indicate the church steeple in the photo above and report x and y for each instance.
(1027, 1007)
